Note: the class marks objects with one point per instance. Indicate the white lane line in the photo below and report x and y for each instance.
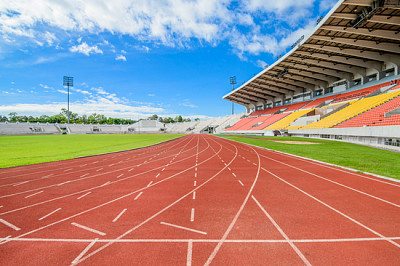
(151, 182)
(63, 183)
(33, 194)
(47, 215)
(16, 228)
(194, 195)
(131, 169)
(84, 165)
(84, 195)
(1, 206)
(68, 170)
(195, 183)
(105, 184)
(119, 215)
(47, 176)
(99, 169)
(120, 175)
(337, 183)
(241, 183)
(192, 215)
(234, 174)
(89, 229)
(4, 239)
(20, 183)
(84, 175)
(196, 169)
(335, 210)
(254, 163)
(184, 228)
(158, 175)
(189, 253)
(138, 195)
(112, 164)
(76, 260)
(163, 169)
(281, 231)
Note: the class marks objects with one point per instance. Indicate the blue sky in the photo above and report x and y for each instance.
(135, 58)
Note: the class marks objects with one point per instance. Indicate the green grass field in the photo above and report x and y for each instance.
(363, 158)
(23, 150)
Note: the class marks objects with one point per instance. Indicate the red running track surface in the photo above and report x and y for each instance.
(196, 200)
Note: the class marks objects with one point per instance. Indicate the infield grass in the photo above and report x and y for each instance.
(362, 158)
(24, 150)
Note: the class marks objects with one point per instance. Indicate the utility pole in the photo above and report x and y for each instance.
(232, 81)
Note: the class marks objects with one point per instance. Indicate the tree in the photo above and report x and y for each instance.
(13, 116)
(197, 119)
(180, 119)
(154, 117)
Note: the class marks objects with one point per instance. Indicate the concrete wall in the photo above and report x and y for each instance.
(384, 132)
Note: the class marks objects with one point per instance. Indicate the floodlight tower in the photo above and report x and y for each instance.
(68, 82)
(232, 81)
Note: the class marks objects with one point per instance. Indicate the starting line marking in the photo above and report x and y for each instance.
(89, 229)
(83, 195)
(49, 214)
(16, 228)
(33, 194)
(120, 175)
(138, 195)
(84, 175)
(20, 183)
(184, 228)
(241, 183)
(326, 240)
(194, 195)
(151, 182)
(119, 215)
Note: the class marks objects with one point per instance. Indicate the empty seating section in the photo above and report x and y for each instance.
(256, 113)
(359, 93)
(251, 123)
(241, 123)
(296, 106)
(285, 122)
(355, 108)
(318, 101)
(376, 116)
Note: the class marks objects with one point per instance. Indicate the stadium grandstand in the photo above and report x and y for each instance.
(340, 82)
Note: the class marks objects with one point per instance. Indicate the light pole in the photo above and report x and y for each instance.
(232, 81)
(68, 82)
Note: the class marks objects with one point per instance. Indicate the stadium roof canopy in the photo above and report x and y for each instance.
(357, 41)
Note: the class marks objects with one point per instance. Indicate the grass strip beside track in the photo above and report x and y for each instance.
(363, 158)
(24, 150)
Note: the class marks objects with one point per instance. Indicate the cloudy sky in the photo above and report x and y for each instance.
(134, 58)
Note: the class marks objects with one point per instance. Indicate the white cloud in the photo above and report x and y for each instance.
(120, 57)
(151, 95)
(85, 49)
(64, 91)
(261, 63)
(174, 23)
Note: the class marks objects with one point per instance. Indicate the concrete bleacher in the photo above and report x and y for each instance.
(28, 129)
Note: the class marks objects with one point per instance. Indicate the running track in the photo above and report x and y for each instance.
(196, 200)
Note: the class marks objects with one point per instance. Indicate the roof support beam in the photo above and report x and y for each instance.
(322, 70)
(346, 60)
(293, 77)
(376, 56)
(244, 95)
(395, 20)
(290, 86)
(265, 89)
(306, 73)
(349, 16)
(322, 63)
(270, 89)
(388, 47)
(387, 34)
